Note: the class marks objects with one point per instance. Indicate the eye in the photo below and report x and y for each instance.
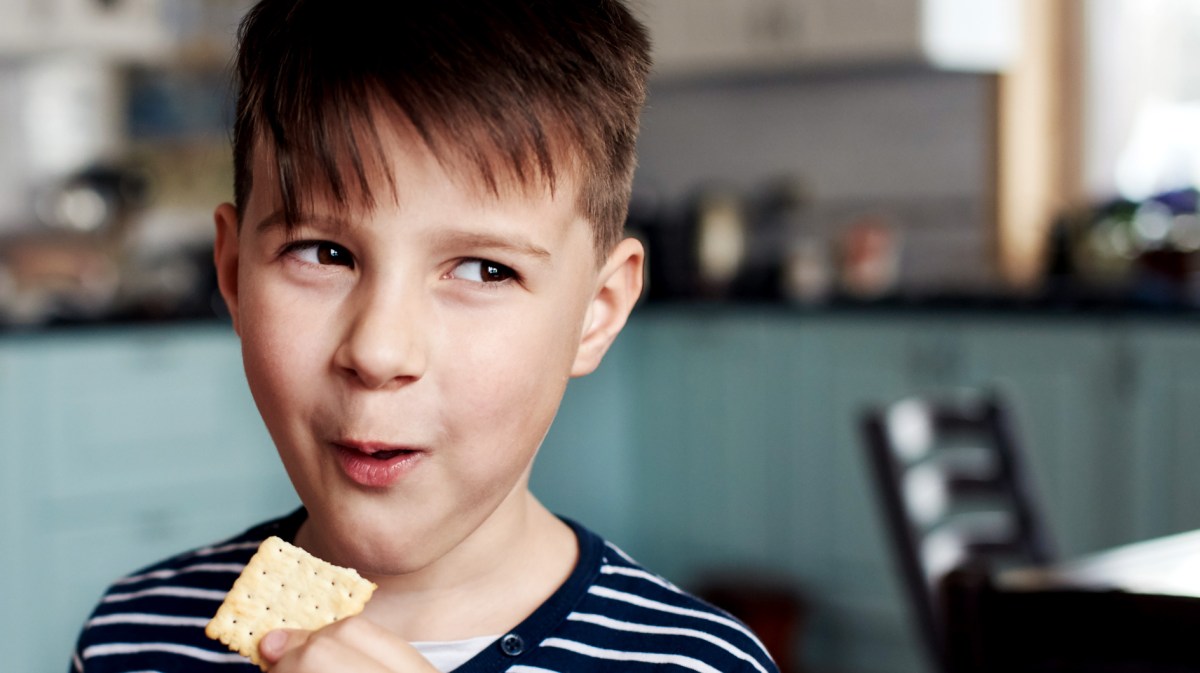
(321, 253)
(482, 271)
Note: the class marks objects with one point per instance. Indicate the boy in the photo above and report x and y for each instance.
(425, 247)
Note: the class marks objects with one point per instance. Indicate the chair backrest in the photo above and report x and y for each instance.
(950, 475)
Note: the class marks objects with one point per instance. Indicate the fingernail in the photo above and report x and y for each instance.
(272, 643)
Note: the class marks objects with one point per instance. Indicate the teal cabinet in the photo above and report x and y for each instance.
(1065, 382)
(741, 444)
(703, 439)
(710, 441)
(859, 622)
(584, 465)
(1163, 454)
(12, 504)
(120, 447)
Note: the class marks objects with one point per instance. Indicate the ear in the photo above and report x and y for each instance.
(225, 257)
(619, 285)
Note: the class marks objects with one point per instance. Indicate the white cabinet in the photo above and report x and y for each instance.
(696, 37)
(860, 30)
(125, 29)
(144, 31)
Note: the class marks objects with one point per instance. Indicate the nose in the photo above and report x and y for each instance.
(384, 344)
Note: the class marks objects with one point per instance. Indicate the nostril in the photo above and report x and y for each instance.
(381, 372)
(384, 344)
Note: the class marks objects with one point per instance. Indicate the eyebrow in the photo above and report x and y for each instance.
(276, 219)
(479, 239)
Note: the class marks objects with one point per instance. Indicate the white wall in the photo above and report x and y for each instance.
(913, 142)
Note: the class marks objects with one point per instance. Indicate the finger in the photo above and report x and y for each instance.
(323, 654)
(355, 644)
(279, 642)
(376, 642)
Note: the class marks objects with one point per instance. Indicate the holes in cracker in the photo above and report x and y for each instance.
(262, 617)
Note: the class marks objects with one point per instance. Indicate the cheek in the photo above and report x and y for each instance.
(511, 384)
(276, 349)
(268, 378)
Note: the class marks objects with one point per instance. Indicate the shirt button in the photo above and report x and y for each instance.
(512, 645)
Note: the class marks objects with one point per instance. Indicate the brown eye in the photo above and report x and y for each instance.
(320, 253)
(328, 253)
(494, 273)
(483, 271)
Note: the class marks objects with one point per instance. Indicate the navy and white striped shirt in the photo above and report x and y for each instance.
(610, 614)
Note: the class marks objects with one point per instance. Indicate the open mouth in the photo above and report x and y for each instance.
(376, 466)
(387, 454)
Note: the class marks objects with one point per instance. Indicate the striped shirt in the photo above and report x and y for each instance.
(610, 614)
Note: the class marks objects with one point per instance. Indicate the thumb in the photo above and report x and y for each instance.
(279, 642)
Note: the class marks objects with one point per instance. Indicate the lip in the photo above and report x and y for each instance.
(374, 464)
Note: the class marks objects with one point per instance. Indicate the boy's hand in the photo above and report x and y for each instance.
(352, 644)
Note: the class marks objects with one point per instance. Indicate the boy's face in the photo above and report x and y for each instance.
(408, 360)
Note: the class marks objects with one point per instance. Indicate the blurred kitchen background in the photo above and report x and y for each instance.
(845, 202)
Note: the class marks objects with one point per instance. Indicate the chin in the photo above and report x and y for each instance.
(380, 550)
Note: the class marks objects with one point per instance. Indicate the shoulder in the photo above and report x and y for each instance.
(154, 618)
(632, 615)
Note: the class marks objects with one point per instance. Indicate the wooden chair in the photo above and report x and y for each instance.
(952, 483)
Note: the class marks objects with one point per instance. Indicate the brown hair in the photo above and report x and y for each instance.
(514, 89)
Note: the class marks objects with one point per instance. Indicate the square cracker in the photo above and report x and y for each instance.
(284, 586)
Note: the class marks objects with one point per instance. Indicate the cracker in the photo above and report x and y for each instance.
(284, 586)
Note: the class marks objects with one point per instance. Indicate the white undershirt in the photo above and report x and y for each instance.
(449, 655)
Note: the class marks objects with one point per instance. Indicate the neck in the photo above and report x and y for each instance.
(487, 584)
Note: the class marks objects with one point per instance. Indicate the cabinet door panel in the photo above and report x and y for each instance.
(1063, 382)
(701, 424)
(1166, 430)
(12, 493)
(119, 448)
(135, 410)
(585, 467)
(861, 30)
(731, 453)
(872, 362)
(699, 35)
